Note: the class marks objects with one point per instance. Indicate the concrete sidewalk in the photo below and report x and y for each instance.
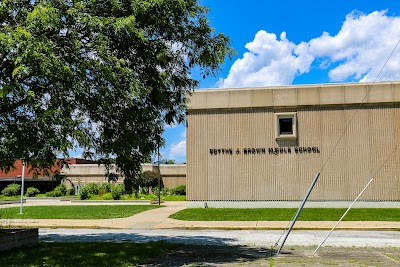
(158, 219)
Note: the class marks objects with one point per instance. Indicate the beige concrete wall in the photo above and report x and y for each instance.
(296, 96)
(322, 119)
(171, 182)
(172, 175)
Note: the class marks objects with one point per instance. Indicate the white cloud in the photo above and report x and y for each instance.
(269, 62)
(361, 47)
(178, 151)
(358, 51)
(183, 134)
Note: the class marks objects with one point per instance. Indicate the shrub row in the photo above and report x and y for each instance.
(15, 190)
(116, 190)
(60, 191)
(180, 190)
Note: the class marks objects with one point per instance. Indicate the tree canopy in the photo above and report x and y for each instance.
(103, 75)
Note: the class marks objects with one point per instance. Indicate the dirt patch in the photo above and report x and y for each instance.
(339, 256)
(290, 257)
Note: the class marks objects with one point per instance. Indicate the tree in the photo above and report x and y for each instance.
(148, 179)
(102, 75)
(166, 161)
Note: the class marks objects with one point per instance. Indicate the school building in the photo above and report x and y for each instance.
(262, 147)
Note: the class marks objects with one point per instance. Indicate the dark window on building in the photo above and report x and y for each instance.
(285, 125)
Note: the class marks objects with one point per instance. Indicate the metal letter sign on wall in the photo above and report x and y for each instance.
(264, 151)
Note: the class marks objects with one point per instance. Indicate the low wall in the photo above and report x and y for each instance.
(172, 174)
(16, 238)
(5, 202)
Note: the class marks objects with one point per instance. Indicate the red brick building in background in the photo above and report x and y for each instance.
(43, 182)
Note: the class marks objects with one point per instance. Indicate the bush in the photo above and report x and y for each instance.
(102, 192)
(107, 196)
(70, 192)
(12, 190)
(179, 190)
(84, 193)
(54, 193)
(92, 188)
(106, 187)
(89, 189)
(166, 191)
(62, 188)
(59, 191)
(32, 192)
(154, 190)
(143, 190)
(117, 191)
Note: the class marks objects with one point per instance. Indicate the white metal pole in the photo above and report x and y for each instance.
(22, 186)
(370, 181)
(159, 173)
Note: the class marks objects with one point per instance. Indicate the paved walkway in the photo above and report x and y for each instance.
(254, 238)
(158, 219)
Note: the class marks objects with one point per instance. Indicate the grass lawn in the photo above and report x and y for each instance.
(308, 214)
(74, 212)
(174, 198)
(2, 197)
(85, 254)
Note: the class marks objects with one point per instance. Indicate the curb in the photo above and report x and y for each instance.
(5, 202)
(282, 228)
(228, 228)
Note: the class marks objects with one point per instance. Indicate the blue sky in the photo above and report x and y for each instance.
(299, 42)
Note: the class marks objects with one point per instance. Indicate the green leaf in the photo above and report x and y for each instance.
(30, 93)
(19, 70)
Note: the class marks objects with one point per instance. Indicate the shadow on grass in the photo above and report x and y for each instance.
(118, 249)
(84, 254)
(195, 250)
(197, 255)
